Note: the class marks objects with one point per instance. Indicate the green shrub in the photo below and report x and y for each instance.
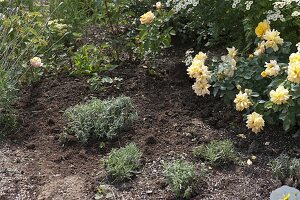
(121, 163)
(98, 84)
(155, 36)
(100, 119)
(89, 59)
(264, 84)
(18, 43)
(216, 152)
(207, 22)
(8, 93)
(210, 21)
(76, 13)
(181, 176)
(284, 167)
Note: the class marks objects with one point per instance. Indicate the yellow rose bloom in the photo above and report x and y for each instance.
(264, 74)
(201, 57)
(147, 18)
(272, 68)
(294, 72)
(261, 28)
(232, 52)
(198, 71)
(158, 5)
(280, 95)
(201, 87)
(273, 39)
(193, 71)
(242, 101)
(36, 62)
(260, 48)
(255, 122)
(295, 57)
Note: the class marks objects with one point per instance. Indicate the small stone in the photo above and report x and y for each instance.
(188, 134)
(267, 143)
(243, 136)
(149, 192)
(249, 162)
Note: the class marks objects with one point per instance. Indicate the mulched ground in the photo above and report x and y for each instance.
(172, 120)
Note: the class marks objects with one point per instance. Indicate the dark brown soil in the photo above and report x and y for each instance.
(172, 120)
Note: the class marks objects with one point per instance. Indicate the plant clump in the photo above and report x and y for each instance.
(217, 152)
(265, 84)
(286, 169)
(182, 178)
(100, 118)
(122, 163)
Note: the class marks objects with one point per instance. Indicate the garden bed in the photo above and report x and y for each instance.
(172, 120)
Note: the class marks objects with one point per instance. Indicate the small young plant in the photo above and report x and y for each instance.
(122, 163)
(99, 84)
(105, 192)
(217, 152)
(284, 167)
(100, 119)
(181, 176)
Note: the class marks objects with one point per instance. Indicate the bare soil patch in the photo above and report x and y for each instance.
(172, 120)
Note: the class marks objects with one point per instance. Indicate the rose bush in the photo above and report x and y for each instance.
(265, 84)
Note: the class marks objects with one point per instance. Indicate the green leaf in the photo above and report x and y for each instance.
(268, 105)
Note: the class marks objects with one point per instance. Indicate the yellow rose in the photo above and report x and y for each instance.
(242, 101)
(158, 5)
(261, 28)
(201, 87)
(147, 18)
(280, 95)
(272, 68)
(255, 122)
(201, 57)
(294, 72)
(198, 72)
(232, 52)
(36, 62)
(295, 57)
(260, 48)
(273, 39)
(264, 74)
